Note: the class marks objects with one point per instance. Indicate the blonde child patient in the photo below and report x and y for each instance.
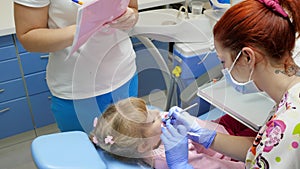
(130, 132)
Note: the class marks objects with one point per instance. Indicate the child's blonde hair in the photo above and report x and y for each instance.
(127, 122)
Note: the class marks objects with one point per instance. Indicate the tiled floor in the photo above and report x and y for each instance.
(15, 151)
(17, 156)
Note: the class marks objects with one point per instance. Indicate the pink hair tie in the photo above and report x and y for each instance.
(95, 122)
(275, 6)
(95, 140)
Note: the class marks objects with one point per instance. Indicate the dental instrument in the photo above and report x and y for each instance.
(184, 110)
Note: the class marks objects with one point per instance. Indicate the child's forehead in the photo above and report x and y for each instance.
(154, 112)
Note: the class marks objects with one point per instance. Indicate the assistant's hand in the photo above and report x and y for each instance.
(195, 132)
(176, 146)
(127, 20)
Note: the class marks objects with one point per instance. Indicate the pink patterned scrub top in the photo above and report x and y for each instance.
(277, 145)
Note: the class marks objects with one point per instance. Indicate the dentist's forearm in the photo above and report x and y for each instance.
(232, 146)
(48, 40)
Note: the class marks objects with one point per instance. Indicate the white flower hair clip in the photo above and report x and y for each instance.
(109, 140)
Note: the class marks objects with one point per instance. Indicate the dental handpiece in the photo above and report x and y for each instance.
(184, 110)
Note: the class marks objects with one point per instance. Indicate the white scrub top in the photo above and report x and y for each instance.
(104, 63)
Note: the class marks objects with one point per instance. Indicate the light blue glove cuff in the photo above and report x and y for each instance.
(203, 136)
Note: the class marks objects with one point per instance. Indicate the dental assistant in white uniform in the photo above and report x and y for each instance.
(100, 72)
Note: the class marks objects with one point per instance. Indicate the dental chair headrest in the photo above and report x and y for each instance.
(71, 150)
(65, 150)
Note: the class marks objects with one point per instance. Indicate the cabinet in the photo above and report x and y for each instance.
(147, 67)
(24, 95)
(14, 111)
(38, 95)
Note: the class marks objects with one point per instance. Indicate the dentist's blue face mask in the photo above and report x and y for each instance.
(245, 88)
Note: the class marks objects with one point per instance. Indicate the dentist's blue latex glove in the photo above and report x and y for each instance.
(196, 133)
(176, 146)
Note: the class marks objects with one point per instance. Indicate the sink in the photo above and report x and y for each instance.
(165, 26)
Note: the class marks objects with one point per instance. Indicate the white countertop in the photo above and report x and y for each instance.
(144, 4)
(7, 24)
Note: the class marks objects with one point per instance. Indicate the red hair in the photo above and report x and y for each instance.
(251, 23)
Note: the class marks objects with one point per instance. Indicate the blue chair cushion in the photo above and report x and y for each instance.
(65, 150)
(70, 150)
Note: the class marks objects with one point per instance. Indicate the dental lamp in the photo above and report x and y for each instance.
(220, 4)
(218, 8)
(223, 4)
